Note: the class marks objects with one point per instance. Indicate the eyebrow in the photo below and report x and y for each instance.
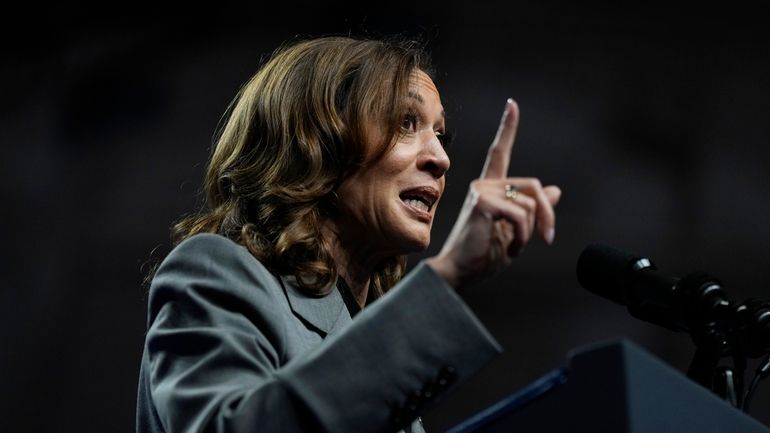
(418, 97)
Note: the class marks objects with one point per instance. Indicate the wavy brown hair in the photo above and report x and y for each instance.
(301, 125)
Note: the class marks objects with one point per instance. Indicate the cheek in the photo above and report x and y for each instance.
(442, 188)
(371, 189)
(362, 195)
(353, 193)
(398, 160)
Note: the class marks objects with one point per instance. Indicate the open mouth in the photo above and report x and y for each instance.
(421, 198)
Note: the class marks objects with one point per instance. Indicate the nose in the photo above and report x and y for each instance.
(433, 157)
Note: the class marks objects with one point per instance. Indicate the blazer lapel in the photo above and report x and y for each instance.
(325, 314)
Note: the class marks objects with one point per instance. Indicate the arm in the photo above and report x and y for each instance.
(215, 350)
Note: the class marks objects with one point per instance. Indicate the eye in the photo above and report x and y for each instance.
(410, 122)
(445, 138)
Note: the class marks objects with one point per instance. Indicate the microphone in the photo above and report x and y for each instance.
(632, 280)
(695, 303)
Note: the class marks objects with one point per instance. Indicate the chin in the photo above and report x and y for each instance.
(415, 243)
(411, 237)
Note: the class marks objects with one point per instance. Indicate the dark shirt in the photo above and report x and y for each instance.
(350, 300)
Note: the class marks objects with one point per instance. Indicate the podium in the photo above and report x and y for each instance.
(612, 387)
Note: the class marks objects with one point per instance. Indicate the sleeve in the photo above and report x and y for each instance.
(215, 347)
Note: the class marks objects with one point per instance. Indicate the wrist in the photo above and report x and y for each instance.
(444, 269)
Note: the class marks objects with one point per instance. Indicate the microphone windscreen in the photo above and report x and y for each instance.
(602, 270)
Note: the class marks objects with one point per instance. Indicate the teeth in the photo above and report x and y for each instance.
(416, 203)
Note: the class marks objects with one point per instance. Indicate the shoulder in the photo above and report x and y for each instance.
(208, 246)
(211, 265)
(210, 254)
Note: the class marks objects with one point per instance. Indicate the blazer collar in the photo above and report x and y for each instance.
(327, 314)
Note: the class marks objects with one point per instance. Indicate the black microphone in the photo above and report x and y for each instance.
(634, 281)
(695, 303)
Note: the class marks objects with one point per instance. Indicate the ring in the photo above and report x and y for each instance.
(511, 192)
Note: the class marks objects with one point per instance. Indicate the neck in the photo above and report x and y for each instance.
(355, 261)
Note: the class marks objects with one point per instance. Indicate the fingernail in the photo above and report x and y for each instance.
(549, 235)
(509, 101)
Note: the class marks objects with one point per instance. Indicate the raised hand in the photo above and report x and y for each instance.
(499, 215)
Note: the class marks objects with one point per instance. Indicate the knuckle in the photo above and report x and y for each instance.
(521, 215)
(475, 188)
(528, 202)
(535, 183)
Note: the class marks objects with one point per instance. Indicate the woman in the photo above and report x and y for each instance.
(328, 171)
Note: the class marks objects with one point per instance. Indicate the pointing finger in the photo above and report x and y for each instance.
(499, 154)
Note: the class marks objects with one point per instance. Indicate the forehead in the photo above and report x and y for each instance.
(422, 84)
(424, 91)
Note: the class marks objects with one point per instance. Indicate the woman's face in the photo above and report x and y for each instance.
(390, 204)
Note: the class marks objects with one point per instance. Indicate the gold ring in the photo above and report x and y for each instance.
(511, 192)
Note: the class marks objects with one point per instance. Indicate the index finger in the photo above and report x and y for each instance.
(499, 154)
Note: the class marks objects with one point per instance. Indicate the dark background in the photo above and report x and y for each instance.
(654, 120)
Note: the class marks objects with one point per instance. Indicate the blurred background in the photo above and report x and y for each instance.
(654, 120)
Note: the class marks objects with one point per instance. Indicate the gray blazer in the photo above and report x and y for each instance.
(232, 348)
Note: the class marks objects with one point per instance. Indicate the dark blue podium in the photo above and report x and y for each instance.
(612, 387)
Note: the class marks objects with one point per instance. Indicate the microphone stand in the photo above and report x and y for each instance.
(731, 332)
(714, 326)
(724, 386)
(711, 346)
